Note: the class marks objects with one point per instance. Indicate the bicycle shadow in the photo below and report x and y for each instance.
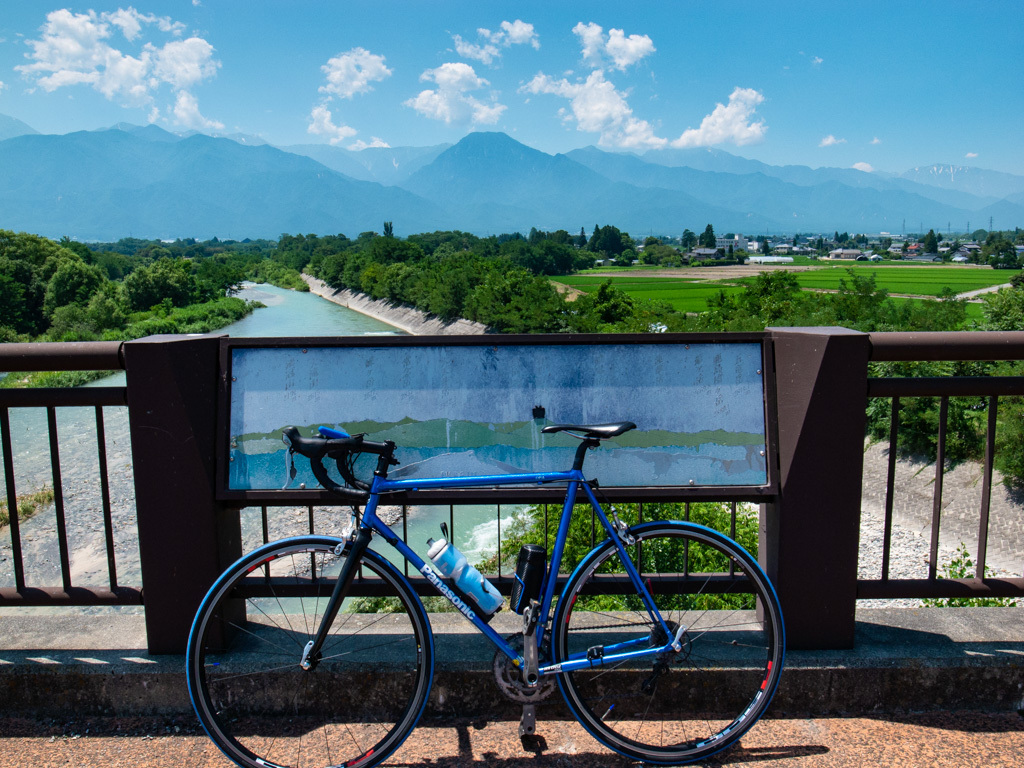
(488, 744)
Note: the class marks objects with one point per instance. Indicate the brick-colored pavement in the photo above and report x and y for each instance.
(930, 740)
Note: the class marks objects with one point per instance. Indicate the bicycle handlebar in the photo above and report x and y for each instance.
(316, 449)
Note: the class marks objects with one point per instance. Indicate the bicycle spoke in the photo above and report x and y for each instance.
(652, 707)
(319, 717)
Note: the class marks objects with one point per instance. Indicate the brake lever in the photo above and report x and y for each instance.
(289, 467)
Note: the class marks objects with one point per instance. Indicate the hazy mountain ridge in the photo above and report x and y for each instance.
(109, 184)
(148, 182)
(12, 126)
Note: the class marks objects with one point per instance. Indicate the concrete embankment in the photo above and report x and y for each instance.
(902, 660)
(406, 318)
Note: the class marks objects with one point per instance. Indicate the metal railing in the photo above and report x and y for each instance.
(808, 530)
(61, 357)
(939, 347)
(502, 576)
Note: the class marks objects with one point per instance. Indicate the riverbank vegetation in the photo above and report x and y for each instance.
(66, 291)
(69, 291)
(28, 505)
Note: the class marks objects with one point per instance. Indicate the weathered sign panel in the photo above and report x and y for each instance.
(478, 407)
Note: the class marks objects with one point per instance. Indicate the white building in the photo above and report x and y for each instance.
(738, 242)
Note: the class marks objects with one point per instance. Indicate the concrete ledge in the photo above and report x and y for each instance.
(904, 660)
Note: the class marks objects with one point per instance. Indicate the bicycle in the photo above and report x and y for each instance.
(661, 627)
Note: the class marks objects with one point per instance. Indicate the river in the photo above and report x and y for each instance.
(287, 313)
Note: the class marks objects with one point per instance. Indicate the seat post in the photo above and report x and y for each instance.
(581, 451)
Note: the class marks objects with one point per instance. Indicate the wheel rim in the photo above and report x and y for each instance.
(358, 703)
(680, 705)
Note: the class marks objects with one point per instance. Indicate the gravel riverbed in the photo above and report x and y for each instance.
(87, 536)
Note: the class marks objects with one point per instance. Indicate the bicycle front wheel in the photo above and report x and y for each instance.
(685, 705)
(355, 707)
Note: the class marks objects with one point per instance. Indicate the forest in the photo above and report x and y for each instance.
(70, 291)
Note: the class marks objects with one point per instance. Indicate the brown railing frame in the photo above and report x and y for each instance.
(932, 347)
(809, 527)
(61, 356)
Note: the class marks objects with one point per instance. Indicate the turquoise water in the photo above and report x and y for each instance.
(287, 313)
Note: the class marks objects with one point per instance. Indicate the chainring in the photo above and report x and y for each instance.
(509, 678)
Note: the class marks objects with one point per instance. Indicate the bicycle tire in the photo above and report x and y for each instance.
(355, 707)
(698, 701)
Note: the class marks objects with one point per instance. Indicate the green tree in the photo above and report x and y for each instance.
(167, 278)
(516, 302)
(931, 242)
(1004, 309)
(21, 296)
(688, 241)
(74, 282)
(707, 239)
(530, 528)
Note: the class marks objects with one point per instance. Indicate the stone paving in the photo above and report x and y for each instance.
(959, 517)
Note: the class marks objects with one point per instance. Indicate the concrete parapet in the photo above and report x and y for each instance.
(904, 660)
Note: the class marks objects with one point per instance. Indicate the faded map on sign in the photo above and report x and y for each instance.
(470, 410)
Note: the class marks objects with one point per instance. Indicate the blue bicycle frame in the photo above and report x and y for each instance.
(574, 480)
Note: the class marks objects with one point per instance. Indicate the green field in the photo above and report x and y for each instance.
(913, 281)
(688, 293)
(682, 295)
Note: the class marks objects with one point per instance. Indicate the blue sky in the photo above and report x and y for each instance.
(883, 86)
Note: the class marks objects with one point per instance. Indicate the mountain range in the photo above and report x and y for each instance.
(147, 182)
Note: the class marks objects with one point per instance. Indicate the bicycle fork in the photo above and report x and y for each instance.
(311, 653)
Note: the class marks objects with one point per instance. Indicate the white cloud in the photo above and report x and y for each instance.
(76, 49)
(184, 63)
(2, 86)
(621, 50)
(971, 155)
(830, 141)
(451, 101)
(186, 113)
(598, 108)
(876, 140)
(728, 123)
(817, 61)
(353, 72)
(520, 33)
(866, 167)
(516, 32)
(485, 54)
(358, 145)
(348, 73)
(130, 22)
(321, 123)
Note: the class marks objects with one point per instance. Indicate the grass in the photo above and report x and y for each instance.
(28, 505)
(684, 295)
(21, 379)
(688, 293)
(914, 281)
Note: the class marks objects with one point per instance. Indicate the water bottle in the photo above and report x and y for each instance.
(454, 565)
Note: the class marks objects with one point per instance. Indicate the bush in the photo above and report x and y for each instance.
(962, 567)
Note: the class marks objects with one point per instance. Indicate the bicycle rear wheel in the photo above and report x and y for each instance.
(680, 706)
(353, 708)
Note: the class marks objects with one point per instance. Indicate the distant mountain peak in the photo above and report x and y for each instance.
(12, 126)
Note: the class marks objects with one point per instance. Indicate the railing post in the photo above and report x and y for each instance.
(812, 532)
(185, 535)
